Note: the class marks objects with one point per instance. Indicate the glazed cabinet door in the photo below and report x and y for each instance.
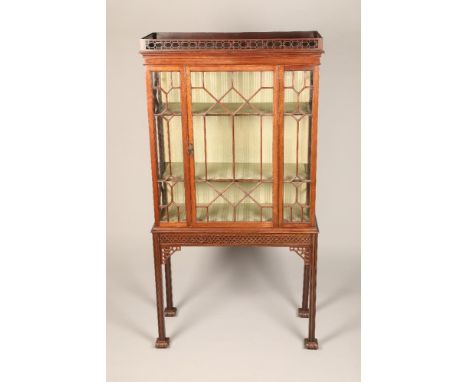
(299, 141)
(232, 137)
(168, 144)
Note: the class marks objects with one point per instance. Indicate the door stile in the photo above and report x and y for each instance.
(280, 143)
(190, 156)
(185, 104)
(276, 143)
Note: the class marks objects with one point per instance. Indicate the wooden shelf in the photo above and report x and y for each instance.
(237, 109)
(248, 172)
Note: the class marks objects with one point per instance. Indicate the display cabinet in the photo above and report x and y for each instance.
(233, 142)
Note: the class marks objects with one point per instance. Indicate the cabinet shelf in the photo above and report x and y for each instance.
(245, 172)
(238, 109)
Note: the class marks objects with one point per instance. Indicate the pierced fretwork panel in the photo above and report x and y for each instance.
(232, 120)
(169, 138)
(297, 146)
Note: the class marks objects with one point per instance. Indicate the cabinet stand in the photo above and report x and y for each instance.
(167, 243)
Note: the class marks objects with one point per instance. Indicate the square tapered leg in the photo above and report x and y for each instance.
(303, 311)
(170, 310)
(311, 342)
(162, 341)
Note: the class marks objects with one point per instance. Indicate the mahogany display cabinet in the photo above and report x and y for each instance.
(233, 140)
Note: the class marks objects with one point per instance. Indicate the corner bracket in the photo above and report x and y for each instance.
(303, 252)
(167, 252)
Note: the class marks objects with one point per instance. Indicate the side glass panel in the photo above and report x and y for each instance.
(297, 146)
(169, 138)
(232, 120)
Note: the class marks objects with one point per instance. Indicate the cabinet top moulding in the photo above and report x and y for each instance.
(277, 47)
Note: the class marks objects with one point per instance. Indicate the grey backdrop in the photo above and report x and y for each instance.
(237, 306)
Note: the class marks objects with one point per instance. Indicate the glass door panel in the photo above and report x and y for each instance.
(232, 122)
(297, 146)
(169, 138)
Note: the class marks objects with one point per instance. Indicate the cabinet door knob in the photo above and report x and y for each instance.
(190, 148)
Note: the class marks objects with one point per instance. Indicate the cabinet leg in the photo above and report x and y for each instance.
(162, 341)
(303, 311)
(311, 342)
(170, 310)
